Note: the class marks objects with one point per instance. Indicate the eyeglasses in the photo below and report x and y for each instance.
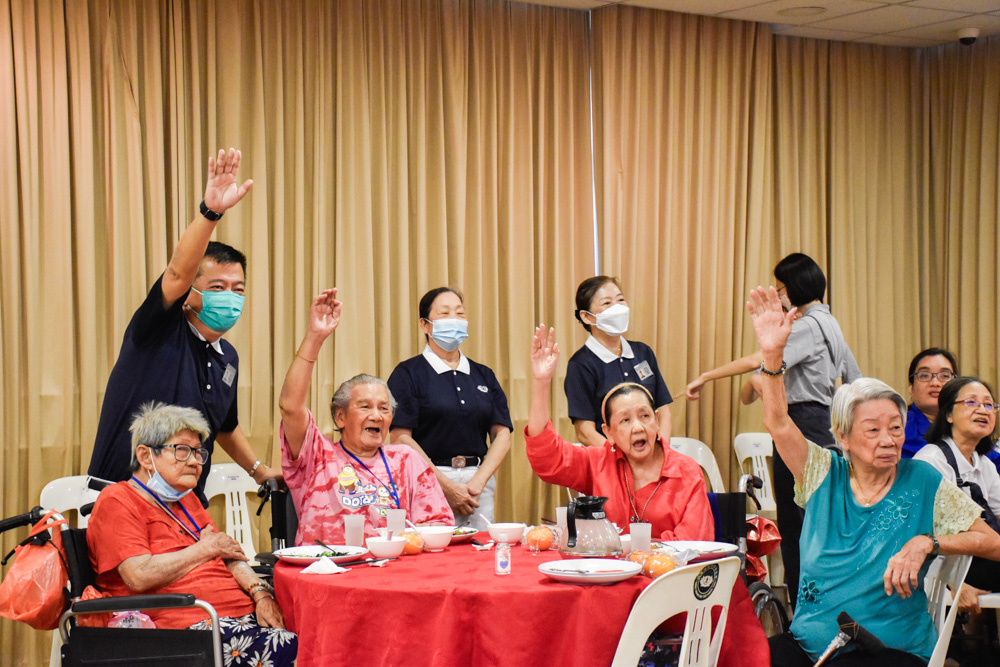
(183, 452)
(972, 404)
(927, 376)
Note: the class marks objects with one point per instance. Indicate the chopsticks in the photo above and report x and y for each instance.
(365, 561)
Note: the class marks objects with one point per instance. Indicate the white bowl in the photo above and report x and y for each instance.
(512, 531)
(383, 548)
(436, 538)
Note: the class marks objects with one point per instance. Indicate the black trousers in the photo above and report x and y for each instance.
(984, 574)
(813, 419)
(786, 652)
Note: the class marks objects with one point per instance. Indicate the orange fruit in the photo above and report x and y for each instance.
(639, 556)
(540, 538)
(414, 543)
(657, 565)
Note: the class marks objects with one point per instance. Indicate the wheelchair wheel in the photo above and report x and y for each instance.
(768, 608)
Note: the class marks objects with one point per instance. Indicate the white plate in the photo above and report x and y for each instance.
(705, 550)
(310, 554)
(590, 570)
(464, 537)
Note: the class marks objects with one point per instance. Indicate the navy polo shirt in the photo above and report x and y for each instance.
(163, 359)
(451, 412)
(594, 370)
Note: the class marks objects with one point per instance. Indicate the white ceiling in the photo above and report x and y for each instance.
(890, 22)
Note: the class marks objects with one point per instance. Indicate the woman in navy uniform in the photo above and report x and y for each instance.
(448, 406)
(607, 359)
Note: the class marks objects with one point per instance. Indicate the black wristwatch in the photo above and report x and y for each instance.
(936, 549)
(209, 213)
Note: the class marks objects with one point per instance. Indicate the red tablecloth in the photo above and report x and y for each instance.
(449, 608)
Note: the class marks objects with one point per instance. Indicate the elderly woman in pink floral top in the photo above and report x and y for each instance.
(358, 475)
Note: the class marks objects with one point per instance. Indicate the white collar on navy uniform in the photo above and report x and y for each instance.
(216, 345)
(439, 365)
(606, 355)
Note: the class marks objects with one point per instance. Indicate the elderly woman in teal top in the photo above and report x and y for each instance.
(871, 519)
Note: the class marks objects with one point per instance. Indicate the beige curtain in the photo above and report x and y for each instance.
(682, 152)
(394, 147)
(963, 100)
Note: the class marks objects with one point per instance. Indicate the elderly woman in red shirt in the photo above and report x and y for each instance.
(643, 480)
(151, 535)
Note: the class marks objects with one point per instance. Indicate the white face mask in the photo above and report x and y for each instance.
(614, 320)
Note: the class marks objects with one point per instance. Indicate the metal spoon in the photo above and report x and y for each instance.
(325, 546)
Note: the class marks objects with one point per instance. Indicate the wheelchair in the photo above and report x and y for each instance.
(730, 514)
(120, 646)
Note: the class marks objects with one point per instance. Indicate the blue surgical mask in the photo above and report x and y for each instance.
(449, 334)
(159, 486)
(220, 310)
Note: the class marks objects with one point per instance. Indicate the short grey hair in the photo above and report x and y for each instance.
(849, 396)
(342, 397)
(157, 422)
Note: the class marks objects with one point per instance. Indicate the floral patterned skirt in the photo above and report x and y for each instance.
(246, 643)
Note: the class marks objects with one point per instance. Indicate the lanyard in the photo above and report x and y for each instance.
(392, 485)
(170, 511)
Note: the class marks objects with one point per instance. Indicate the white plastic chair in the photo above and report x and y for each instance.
(944, 572)
(700, 452)
(68, 493)
(64, 494)
(233, 481)
(677, 592)
(758, 448)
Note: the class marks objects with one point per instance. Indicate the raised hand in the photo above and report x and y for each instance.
(324, 313)
(221, 191)
(770, 323)
(544, 353)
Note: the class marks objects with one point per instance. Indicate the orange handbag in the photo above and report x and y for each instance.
(34, 590)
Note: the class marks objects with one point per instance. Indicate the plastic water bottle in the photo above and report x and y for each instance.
(502, 555)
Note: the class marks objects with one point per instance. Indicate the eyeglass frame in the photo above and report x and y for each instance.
(931, 376)
(191, 450)
(973, 404)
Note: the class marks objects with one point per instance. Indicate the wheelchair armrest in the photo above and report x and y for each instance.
(130, 602)
(140, 602)
(266, 558)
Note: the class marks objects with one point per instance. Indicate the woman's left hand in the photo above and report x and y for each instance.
(269, 614)
(903, 572)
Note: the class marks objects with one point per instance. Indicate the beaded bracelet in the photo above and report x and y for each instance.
(780, 371)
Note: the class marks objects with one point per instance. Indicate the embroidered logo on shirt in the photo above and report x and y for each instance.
(644, 370)
(229, 375)
(483, 388)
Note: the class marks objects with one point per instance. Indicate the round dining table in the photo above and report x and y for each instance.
(450, 608)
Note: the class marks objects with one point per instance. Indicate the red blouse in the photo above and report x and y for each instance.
(676, 504)
(124, 525)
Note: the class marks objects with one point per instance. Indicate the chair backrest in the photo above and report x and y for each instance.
(69, 493)
(757, 448)
(944, 572)
(700, 452)
(695, 589)
(233, 481)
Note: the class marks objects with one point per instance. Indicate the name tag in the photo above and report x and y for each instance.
(643, 370)
(229, 375)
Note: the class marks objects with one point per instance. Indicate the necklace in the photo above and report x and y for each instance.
(636, 516)
(857, 484)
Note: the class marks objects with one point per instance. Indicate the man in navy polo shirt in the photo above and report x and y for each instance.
(173, 349)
